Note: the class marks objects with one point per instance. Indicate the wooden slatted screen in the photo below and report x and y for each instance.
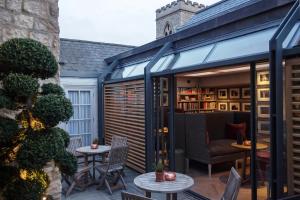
(124, 115)
(292, 106)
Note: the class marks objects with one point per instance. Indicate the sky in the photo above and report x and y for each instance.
(130, 22)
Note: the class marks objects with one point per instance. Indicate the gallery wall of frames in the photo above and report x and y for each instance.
(198, 99)
(263, 104)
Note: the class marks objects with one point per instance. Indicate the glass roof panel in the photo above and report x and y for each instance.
(193, 56)
(293, 37)
(138, 69)
(249, 44)
(116, 74)
(126, 71)
(163, 63)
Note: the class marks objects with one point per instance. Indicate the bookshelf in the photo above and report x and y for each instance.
(194, 99)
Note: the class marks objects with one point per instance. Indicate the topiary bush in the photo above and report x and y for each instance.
(67, 163)
(29, 140)
(64, 135)
(8, 131)
(5, 102)
(30, 185)
(51, 88)
(40, 147)
(20, 86)
(52, 109)
(27, 56)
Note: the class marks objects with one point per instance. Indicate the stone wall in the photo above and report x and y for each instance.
(35, 19)
(176, 14)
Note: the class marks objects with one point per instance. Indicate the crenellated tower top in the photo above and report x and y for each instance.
(174, 15)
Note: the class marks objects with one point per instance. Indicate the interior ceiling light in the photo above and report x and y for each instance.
(201, 74)
(234, 69)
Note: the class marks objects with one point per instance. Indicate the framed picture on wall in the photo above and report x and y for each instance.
(263, 127)
(263, 78)
(164, 82)
(263, 94)
(222, 94)
(165, 99)
(234, 93)
(246, 93)
(263, 111)
(234, 106)
(246, 107)
(222, 106)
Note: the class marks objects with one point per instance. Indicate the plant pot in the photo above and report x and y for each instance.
(94, 146)
(160, 176)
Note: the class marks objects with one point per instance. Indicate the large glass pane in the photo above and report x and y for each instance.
(139, 69)
(250, 44)
(74, 97)
(85, 97)
(116, 74)
(80, 122)
(163, 63)
(293, 38)
(127, 70)
(263, 155)
(193, 56)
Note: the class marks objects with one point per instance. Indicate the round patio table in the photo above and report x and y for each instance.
(147, 183)
(247, 148)
(88, 151)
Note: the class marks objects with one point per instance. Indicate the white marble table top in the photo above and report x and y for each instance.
(147, 182)
(88, 150)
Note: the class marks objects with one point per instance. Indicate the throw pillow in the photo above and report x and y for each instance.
(232, 130)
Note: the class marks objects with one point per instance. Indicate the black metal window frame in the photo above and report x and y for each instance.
(276, 100)
(275, 56)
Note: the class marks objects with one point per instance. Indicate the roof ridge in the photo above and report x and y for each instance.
(94, 42)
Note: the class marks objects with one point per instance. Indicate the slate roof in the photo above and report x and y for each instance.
(85, 59)
(218, 9)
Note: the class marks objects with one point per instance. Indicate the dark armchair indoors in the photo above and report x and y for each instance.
(205, 136)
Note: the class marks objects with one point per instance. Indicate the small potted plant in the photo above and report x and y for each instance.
(95, 143)
(159, 172)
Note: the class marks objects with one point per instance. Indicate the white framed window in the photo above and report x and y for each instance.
(84, 101)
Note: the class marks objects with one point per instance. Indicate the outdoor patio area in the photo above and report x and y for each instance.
(92, 193)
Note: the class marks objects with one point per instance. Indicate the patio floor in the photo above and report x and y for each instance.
(91, 193)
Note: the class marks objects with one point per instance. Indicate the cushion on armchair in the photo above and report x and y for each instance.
(222, 147)
(233, 129)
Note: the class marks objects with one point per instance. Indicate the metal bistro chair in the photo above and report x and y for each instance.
(114, 167)
(77, 178)
(233, 186)
(130, 196)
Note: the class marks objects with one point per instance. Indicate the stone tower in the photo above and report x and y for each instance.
(174, 15)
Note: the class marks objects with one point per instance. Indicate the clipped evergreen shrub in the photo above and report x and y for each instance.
(51, 88)
(7, 174)
(64, 135)
(27, 56)
(5, 102)
(32, 188)
(52, 109)
(8, 131)
(20, 85)
(39, 148)
(67, 163)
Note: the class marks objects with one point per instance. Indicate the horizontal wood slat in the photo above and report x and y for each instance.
(124, 115)
(293, 127)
